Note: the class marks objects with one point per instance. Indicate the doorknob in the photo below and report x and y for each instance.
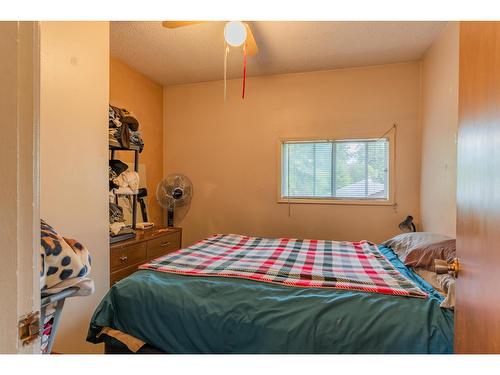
(441, 266)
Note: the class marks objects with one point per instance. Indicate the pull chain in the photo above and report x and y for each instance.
(244, 69)
(226, 52)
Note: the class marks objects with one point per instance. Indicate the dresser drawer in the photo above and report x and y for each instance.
(127, 255)
(116, 276)
(166, 243)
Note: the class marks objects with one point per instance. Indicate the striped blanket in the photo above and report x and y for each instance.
(301, 263)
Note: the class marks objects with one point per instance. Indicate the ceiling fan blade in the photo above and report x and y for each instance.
(176, 24)
(252, 48)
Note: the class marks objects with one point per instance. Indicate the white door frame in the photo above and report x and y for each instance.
(19, 180)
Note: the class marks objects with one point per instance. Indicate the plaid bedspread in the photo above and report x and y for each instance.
(302, 263)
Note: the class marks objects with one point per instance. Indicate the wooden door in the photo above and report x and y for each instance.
(477, 314)
(19, 215)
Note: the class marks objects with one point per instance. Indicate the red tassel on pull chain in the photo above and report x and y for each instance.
(244, 69)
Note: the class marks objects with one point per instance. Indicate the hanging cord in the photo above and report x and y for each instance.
(394, 128)
(395, 206)
(244, 69)
(288, 177)
(226, 52)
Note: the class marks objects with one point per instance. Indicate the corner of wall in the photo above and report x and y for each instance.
(420, 127)
(438, 113)
(165, 149)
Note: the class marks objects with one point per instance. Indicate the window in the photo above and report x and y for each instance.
(336, 170)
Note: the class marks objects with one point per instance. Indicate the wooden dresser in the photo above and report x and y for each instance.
(127, 256)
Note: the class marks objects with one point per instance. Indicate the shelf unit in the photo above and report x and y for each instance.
(136, 151)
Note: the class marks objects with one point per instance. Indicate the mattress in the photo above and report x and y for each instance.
(194, 314)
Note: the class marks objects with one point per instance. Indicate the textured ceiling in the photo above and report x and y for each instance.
(196, 53)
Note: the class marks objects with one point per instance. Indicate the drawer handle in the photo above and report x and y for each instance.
(165, 244)
(123, 258)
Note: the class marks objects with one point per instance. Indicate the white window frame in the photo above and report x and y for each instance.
(390, 201)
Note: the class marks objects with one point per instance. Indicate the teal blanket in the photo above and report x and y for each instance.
(191, 314)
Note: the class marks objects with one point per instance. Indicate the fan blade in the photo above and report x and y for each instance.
(176, 24)
(252, 48)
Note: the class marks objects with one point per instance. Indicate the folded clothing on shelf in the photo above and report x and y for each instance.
(122, 134)
(124, 233)
(128, 180)
(121, 237)
(114, 117)
(116, 227)
(123, 129)
(117, 166)
(113, 140)
(115, 213)
(136, 140)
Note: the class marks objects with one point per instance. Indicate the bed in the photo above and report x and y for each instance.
(181, 313)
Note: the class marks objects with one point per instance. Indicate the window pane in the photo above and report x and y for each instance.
(307, 169)
(323, 169)
(350, 170)
(300, 180)
(377, 169)
(336, 169)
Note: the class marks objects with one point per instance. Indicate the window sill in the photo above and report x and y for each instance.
(355, 202)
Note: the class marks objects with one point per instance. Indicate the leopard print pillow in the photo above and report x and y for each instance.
(61, 258)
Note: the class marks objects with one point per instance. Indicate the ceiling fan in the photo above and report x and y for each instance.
(234, 31)
(236, 34)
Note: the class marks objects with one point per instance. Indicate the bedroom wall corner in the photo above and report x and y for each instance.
(74, 157)
(144, 98)
(439, 121)
(164, 131)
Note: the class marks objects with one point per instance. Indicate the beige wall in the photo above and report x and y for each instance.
(439, 130)
(229, 150)
(74, 156)
(131, 90)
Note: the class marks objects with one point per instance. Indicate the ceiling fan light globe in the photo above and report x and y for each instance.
(235, 33)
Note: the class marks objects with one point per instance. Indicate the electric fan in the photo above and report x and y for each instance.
(174, 194)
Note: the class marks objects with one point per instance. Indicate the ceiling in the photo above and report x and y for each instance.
(196, 53)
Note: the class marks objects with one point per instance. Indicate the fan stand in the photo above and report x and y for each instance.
(170, 217)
